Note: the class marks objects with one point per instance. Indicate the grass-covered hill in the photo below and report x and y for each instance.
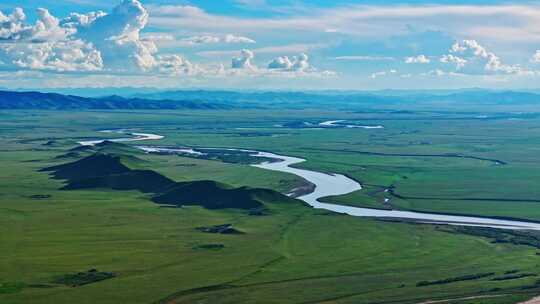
(95, 165)
(214, 195)
(108, 166)
(146, 181)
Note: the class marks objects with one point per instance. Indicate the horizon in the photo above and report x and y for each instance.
(142, 92)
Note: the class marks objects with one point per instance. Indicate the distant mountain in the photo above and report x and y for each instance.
(347, 98)
(206, 99)
(486, 97)
(55, 101)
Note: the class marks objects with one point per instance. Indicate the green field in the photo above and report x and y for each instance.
(433, 161)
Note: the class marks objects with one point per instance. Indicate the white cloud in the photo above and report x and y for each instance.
(86, 42)
(472, 58)
(75, 19)
(64, 56)
(281, 62)
(483, 21)
(422, 59)
(441, 73)
(458, 61)
(205, 39)
(44, 45)
(157, 37)
(230, 38)
(116, 36)
(382, 73)
(202, 39)
(288, 48)
(301, 63)
(244, 61)
(46, 28)
(536, 57)
(176, 65)
(281, 66)
(298, 63)
(113, 44)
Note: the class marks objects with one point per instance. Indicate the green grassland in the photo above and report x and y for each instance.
(293, 255)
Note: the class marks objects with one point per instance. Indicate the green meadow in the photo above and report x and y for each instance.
(425, 161)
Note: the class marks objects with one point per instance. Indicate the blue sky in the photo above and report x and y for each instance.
(270, 44)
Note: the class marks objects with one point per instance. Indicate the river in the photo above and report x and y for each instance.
(331, 185)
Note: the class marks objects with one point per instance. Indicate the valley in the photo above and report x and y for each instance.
(109, 222)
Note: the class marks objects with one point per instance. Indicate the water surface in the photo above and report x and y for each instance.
(331, 185)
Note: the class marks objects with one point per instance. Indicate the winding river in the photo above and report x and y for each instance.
(136, 137)
(336, 123)
(330, 185)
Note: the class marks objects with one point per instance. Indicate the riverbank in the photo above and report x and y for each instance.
(330, 184)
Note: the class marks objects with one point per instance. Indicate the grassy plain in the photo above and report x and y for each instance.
(294, 255)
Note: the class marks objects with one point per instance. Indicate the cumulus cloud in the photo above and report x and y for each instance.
(536, 57)
(47, 27)
(298, 63)
(423, 59)
(470, 57)
(279, 66)
(96, 41)
(113, 43)
(44, 45)
(175, 65)
(117, 37)
(244, 61)
(301, 63)
(64, 56)
(458, 61)
(75, 19)
(281, 62)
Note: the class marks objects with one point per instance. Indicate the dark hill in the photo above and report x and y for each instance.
(146, 181)
(95, 165)
(54, 101)
(101, 170)
(209, 194)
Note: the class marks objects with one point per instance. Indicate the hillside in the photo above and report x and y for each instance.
(146, 181)
(54, 101)
(212, 100)
(96, 165)
(112, 171)
(209, 194)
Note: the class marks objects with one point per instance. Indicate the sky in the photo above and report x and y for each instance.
(270, 44)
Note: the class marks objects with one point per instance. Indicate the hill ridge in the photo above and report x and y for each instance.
(102, 170)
